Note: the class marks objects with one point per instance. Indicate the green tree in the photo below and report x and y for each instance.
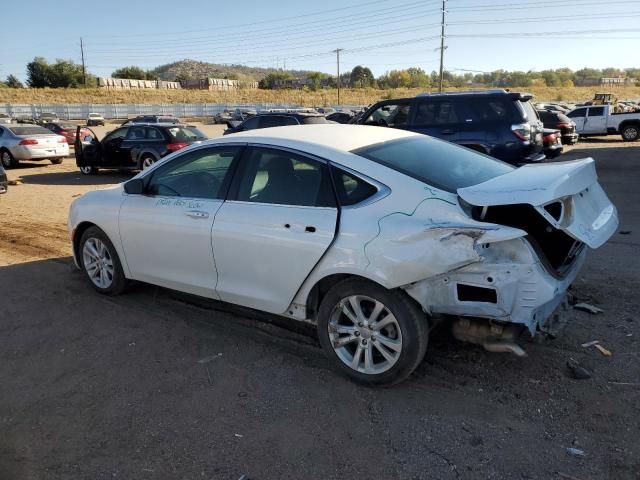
(62, 73)
(13, 82)
(134, 73)
(268, 82)
(38, 73)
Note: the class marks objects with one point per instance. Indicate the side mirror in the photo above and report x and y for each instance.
(134, 187)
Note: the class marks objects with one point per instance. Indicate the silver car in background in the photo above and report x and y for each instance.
(30, 142)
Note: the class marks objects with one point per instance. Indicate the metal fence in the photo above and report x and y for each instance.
(80, 111)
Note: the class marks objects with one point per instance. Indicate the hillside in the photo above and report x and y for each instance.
(324, 97)
(194, 69)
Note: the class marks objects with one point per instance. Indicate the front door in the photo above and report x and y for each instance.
(579, 115)
(166, 233)
(87, 148)
(278, 222)
(111, 154)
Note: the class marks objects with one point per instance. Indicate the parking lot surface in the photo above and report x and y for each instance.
(154, 384)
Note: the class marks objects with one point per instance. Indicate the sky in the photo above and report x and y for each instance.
(481, 35)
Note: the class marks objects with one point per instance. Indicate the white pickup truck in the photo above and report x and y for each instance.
(600, 120)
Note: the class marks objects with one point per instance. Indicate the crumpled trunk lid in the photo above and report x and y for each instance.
(566, 194)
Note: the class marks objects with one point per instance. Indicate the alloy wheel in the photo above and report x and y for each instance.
(630, 133)
(6, 159)
(365, 334)
(97, 262)
(147, 162)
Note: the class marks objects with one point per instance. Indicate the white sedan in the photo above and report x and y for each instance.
(372, 234)
(30, 142)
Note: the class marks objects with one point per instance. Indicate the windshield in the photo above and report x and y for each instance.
(30, 130)
(186, 134)
(435, 162)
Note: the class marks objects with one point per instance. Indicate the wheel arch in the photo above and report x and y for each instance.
(627, 123)
(85, 225)
(146, 151)
(321, 287)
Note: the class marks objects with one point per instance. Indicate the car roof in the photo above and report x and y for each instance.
(326, 136)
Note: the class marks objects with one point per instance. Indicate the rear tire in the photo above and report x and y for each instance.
(373, 335)
(8, 160)
(56, 161)
(100, 262)
(630, 133)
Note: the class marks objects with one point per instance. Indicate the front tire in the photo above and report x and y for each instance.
(147, 161)
(373, 335)
(100, 262)
(630, 133)
(88, 170)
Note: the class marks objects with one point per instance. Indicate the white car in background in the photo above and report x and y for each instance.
(94, 119)
(372, 234)
(30, 142)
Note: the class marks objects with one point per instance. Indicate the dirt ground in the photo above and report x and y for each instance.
(153, 384)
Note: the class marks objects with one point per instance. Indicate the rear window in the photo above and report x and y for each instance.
(530, 111)
(30, 130)
(189, 134)
(435, 162)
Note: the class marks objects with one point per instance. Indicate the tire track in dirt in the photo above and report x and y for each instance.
(27, 240)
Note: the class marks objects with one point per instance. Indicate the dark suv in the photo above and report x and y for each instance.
(496, 122)
(266, 120)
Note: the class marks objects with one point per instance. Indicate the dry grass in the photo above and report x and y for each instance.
(306, 98)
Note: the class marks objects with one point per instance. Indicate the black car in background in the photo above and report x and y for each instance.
(559, 121)
(267, 120)
(340, 117)
(496, 122)
(152, 119)
(132, 147)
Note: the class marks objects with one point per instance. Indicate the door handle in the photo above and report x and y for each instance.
(310, 229)
(447, 131)
(196, 214)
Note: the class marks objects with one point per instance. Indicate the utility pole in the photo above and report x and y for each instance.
(442, 47)
(84, 75)
(338, 50)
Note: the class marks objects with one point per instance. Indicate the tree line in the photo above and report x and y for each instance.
(67, 74)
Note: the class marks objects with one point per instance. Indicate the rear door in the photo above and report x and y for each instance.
(279, 220)
(596, 121)
(166, 233)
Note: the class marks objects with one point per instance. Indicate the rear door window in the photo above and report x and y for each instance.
(429, 114)
(251, 123)
(269, 121)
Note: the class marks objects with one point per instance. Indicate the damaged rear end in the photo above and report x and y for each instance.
(560, 210)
